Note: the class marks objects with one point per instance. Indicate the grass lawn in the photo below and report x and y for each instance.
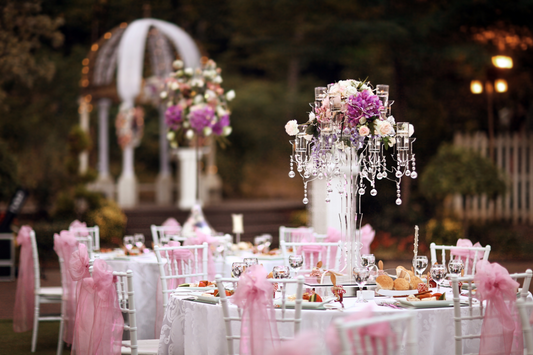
(20, 343)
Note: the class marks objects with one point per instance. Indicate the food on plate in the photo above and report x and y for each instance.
(402, 272)
(424, 295)
(412, 298)
(306, 296)
(401, 284)
(205, 283)
(385, 282)
(422, 287)
(414, 282)
(429, 299)
(270, 275)
(228, 293)
(315, 298)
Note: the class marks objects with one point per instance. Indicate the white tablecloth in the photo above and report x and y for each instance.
(187, 323)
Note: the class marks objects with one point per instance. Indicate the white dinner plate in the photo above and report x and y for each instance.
(205, 289)
(396, 293)
(205, 299)
(427, 304)
(305, 305)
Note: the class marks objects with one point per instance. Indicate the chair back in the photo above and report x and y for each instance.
(290, 234)
(328, 253)
(126, 303)
(354, 338)
(174, 270)
(35, 256)
(474, 313)
(283, 317)
(220, 253)
(161, 235)
(524, 311)
(524, 291)
(477, 252)
(92, 240)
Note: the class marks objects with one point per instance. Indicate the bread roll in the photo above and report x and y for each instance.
(401, 284)
(385, 282)
(415, 280)
(401, 272)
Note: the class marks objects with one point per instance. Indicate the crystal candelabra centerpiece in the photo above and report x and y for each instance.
(349, 129)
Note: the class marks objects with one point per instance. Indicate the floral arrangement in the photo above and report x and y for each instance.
(196, 103)
(130, 126)
(359, 113)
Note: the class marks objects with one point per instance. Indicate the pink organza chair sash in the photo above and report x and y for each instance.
(65, 244)
(378, 333)
(467, 254)
(181, 258)
(301, 234)
(99, 322)
(312, 252)
(259, 333)
(334, 236)
(500, 332)
(80, 228)
(79, 272)
(23, 314)
(172, 227)
(199, 240)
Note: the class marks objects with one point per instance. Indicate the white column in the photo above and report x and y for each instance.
(163, 184)
(104, 182)
(84, 124)
(188, 166)
(127, 182)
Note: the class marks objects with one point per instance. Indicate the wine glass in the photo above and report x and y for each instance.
(128, 242)
(456, 266)
(361, 274)
(139, 240)
(438, 273)
(296, 262)
(281, 272)
(237, 268)
(369, 260)
(250, 261)
(420, 263)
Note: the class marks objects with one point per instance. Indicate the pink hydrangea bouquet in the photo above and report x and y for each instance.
(197, 105)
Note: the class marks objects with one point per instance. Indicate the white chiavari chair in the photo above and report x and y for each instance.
(161, 235)
(94, 234)
(479, 253)
(524, 311)
(330, 260)
(291, 234)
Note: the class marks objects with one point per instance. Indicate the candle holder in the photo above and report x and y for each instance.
(238, 227)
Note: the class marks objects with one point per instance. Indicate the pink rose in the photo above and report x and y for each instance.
(384, 128)
(364, 131)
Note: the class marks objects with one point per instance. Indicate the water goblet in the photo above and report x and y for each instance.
(361, 274)
(438, 273)
(237, 268)
(281, 272)
(128, 242)
(368, 259)
(296, 262)
(420, 263)
(139, 240)
(250, 261)
(456, 266)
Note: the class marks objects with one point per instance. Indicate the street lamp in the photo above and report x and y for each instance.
(491, 84)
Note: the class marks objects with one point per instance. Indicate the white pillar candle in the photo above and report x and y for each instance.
(237, 223)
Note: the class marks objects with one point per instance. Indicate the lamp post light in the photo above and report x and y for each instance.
(492, 84)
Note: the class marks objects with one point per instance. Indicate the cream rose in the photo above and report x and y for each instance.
(364, 131)
(291, 128)
(384, 128)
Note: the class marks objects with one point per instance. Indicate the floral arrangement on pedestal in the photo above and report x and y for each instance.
(197, 105)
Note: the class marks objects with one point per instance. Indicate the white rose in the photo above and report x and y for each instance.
(311, 116)
(171, 135)
(198, 99)
(220, 111)
(189, 134)
(226, 131)
(189, 71)
(178, 64)
(308, 137)
(384, 128)
(217, 79)
(391, 120)
(411, 130)
(210, 95)
(351, 91)
(173, 144)
(174, 86)
(207, 131)
(392, 141)
(230, 95)
(362, 120)
(163, 95)
(291, 128)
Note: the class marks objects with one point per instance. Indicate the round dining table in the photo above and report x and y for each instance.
(187, 323)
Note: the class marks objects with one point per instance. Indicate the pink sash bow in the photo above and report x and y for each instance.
(172, 227)
(179, 257)
(381, 332)
(79, 228)
(259, 332)
(25, 295)
(79, 272)
(65, 244)
(498, 289)
(302, 234)
(199, 240)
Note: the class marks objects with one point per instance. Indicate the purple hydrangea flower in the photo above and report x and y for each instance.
(173, 117)
(219, 126)
(201, 117)
(364, 104)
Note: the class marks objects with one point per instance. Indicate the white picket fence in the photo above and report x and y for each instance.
(514, 154)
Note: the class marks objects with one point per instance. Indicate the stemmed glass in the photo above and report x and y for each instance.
(296, 262)
(361, 274)
(237, 268)
(369, 260)
(456, 266)
(128, 242)
(281, 272)
(438, 273)
(420, 263)
(250, 261)
(139, 240)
